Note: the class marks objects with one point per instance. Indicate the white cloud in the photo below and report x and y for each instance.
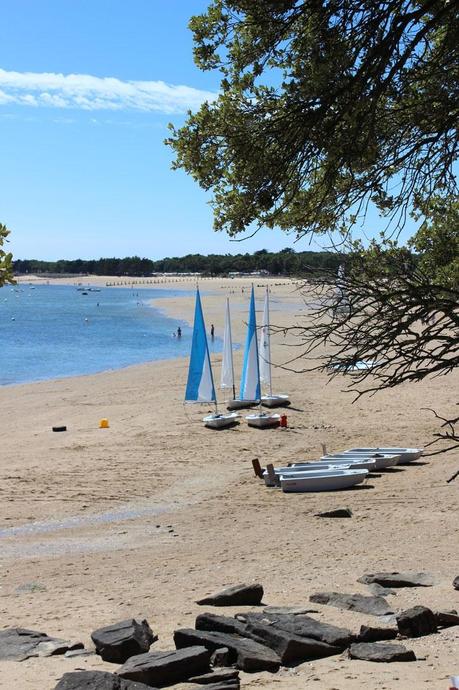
(87, 92)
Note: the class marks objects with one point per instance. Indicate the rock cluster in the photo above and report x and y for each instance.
(212, 653)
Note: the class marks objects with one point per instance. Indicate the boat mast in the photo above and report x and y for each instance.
(227, 375)
(265, 347)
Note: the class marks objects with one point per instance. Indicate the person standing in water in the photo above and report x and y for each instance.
(179, 332)
(212, 331)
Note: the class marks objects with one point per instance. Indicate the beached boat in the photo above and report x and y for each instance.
(332, 480)
(357, 463)
(221, 421)
(264, 355)
(200, 384)
(407, 455)
(250, 381)
(382, 461)
(227, 373)
(263, 420)
(271, 480)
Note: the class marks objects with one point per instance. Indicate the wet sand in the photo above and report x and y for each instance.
(155, 512)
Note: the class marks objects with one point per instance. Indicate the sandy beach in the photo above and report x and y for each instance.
(146, 517)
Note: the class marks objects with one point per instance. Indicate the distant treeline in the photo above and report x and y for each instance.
(286, 262)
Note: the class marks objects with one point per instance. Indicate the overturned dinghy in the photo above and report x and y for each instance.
(380, 460)
(407, 455)
(221, 421)
(327, 480)
(274, 480)
(351, 463)
(263, 420)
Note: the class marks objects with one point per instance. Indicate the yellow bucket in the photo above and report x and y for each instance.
(103, 424)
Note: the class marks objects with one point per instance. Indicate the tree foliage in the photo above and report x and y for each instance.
(384, 321)
(324, 106)
(285, 262)
(6, 258)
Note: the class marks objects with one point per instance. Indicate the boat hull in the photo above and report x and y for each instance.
(263, 421)
(407, 455)
(294, 469)
(381, 461)
(275, 400)
(241, 404)
(221, 421)
(331, 480)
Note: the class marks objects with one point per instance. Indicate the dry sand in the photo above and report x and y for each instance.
(155, 512)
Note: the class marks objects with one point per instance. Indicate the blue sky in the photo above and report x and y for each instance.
(87, 88)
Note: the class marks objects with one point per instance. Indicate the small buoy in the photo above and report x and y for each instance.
(103, 424)
(283, 421)
(59, 428)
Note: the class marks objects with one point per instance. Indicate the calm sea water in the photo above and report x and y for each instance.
(51, 331)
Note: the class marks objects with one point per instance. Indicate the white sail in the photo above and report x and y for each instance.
(264, 348)
(250, 380)
(227, 375)
(200, 384)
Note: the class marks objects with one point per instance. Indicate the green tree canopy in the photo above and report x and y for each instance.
(6, 268)
(324, 106)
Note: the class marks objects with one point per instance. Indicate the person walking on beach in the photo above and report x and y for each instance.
(212, 331)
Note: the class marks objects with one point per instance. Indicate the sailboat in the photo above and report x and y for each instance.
(250, 381)
(264, 351)
(227, 375)
(200, 384)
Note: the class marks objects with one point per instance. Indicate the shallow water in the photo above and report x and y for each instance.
(52, 331)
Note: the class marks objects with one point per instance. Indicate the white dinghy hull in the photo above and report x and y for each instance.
(293, 469)
(275, 400)
(241, 404)
(221, 421)
(263, 420)
(407, 455)
(331, 480)
(381, 461)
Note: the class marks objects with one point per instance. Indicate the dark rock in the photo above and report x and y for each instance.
(416, 622)
(223, 624)
(239, 595)
(398, 579)
(380, 591)
(288, 610)
(337, 513)
(219, 685)
(20, 644)
(456, 582)
(376, 606)
(380, 651)
(446, 619)
(304, 626)
(245, 653)
(97, 680)
(216, 676)
(79, 652)
(166, 668)
(118, 642)
(371, 634)
(55, 647)
(291, 648)
(220, 657)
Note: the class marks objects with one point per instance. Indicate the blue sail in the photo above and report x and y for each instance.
(250, 380)
(200, 385)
